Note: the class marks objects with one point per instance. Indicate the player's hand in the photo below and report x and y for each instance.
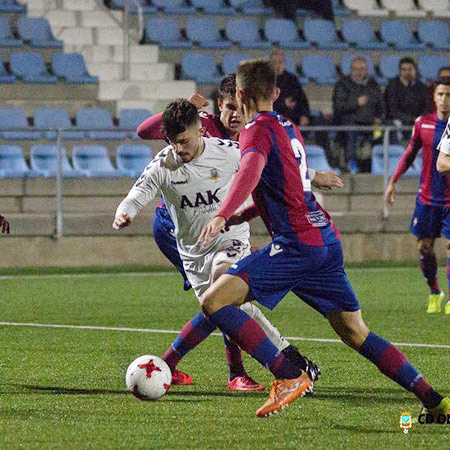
(121, 221)
(327, 180)
(198, 101)
(4, 225)
(389, 195)
(211, 230)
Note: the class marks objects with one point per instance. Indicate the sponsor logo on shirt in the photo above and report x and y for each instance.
(275, 249)
(179, 182)
(431, 127)
(214, 174)
(317, 219)
(201, 199)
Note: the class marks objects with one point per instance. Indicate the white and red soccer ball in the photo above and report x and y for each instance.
(148, 377)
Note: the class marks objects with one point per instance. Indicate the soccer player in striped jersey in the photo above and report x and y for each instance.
(431, 217)
(305, 255)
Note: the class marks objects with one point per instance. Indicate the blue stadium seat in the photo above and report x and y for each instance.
(43, 159)
(388, 65)
(54, 119)
(14, 125)
(166, 32)
(205, 32)
(245, 34)
(200, 67)
(284, 33)
(30, 67)
(319, 68)
(322, 33)
(7, 38)
(12, 7)
(359, 32)
(37, 32)
(71, 67)
(435, 33)
(317, 158)
(94, 161)
(13, 164)
(209, 7)
(346, 62)
(98, 120)
(399, 34)
(146, 8)
(230, 62)
(5, 77)
(129, 119)
(251, 7)
(132, 159)
(429, 65)
(174, 6)
(395, 153)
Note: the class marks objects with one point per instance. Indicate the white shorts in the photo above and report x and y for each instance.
(199, 272)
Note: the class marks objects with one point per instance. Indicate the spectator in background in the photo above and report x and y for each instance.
(444, 72)
(405, 96)
(357, 100)
(4, 225)
(288, 8)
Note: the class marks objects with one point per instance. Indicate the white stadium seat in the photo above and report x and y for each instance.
(403, 8)
(439, 8)
(366, 7)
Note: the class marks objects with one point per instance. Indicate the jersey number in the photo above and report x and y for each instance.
(300, 155)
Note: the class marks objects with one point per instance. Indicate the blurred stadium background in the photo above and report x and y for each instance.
(95, 69)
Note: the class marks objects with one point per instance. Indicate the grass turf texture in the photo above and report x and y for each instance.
(64, 388)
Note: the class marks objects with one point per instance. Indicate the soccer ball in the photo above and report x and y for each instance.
(148, 377)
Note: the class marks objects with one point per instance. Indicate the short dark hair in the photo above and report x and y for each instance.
(178, 116)
(227, 86)
(407, 60)
(442, 80)
(446, 68)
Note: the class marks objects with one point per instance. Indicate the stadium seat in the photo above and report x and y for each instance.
(251, 7)
(200, 67)
(319, 68)
(14, 125)
(230, 62)
(129, 119)
(317, 159)
(71, 68)
(388, 65)
(429, 65)
(37, 32)
(13, 164)
(7, 38)
(322, 33)
(205, 33)
(30, 67)
(94, 161)
(346, 62)
(43, 159)
(209, 7)
(435, 33)
(174, 6)
(339, 9)
(47, 119)
(12, 7)
(98, 120)
(284, 33)
(395, 153)
(132, 159)
(399, 34)
(366, 8)
(244, 33)
(359, 32)
(5, 77)
(166, 32)
(146, 8)
(439, 8)
(403, 8)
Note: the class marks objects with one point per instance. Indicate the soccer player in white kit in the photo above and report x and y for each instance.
(194, 174)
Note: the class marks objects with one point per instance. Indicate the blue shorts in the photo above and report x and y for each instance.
(430, 221)
(315, 274)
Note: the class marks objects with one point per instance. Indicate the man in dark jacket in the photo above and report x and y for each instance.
(357, 100)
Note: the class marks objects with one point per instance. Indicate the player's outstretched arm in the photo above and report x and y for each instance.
(389, 195)
(327, 180)
(4, 225)
(443, 163)
(121, 221)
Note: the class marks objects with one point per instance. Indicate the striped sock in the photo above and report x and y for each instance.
(193, 332)
(393, 363)
(429, 267)
(250, 337)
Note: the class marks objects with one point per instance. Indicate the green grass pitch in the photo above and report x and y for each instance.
(64, 388)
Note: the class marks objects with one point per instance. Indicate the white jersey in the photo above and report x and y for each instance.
(193, 193)
(444, 144)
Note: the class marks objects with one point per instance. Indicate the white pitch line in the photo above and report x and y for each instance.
(87, 275)
(150, 330)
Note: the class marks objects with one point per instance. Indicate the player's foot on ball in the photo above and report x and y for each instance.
(181, 378)
(284, 392)
(442, 408)
(244, 383)
(447, 307)
(434, 303)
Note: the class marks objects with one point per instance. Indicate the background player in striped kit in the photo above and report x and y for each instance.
(431, 218)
